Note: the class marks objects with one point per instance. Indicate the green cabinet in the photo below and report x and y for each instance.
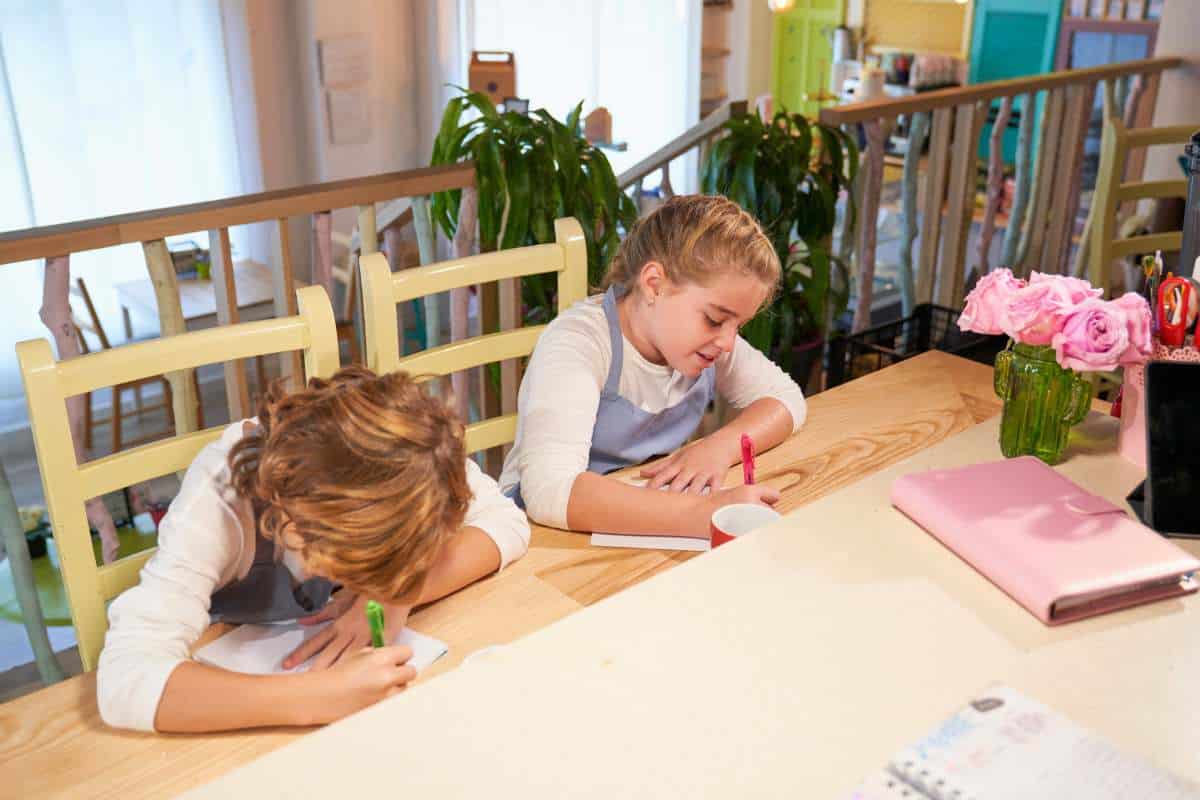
(803, 52)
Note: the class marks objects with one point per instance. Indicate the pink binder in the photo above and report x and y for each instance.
(1058, 550)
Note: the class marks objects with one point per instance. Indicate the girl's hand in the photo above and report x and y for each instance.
(756, 494)
(690, 470)
(349, 632)
(360, 678)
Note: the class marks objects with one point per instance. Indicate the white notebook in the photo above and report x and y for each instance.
(260, 649)
(663, 542)
(1004, 745)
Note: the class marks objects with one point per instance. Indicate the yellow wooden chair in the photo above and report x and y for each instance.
(382, 290)
(1110, 240)
(69, 484)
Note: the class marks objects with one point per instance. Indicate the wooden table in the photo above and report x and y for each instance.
(52, 742)
(252, 280)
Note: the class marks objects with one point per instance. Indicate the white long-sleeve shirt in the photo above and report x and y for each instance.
(560, 395)
(206, 541)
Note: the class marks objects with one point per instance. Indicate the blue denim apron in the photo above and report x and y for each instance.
(625, 434)
(269, 592)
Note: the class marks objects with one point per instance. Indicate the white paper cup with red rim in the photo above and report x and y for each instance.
(730, 522)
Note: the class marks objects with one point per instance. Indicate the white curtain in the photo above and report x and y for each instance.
(640, 59)
(106, 107)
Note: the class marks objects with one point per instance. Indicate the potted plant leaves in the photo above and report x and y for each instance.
(788, 173)
(531, 169)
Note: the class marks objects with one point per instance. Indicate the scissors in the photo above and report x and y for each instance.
(1177, 303)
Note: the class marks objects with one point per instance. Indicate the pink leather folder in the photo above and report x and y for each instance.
(1058, 550)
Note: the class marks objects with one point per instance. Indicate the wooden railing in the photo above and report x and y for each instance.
(698, 136)
(1046, 197)
(56, 243)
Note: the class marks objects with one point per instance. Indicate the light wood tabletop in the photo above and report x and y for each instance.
(52, 743)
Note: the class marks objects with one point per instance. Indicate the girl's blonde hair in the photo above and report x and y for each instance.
(696, 238)
(367, 472)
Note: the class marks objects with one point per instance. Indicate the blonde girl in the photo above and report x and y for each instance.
(626, 376)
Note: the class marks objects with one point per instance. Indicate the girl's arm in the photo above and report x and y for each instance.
(601, 503)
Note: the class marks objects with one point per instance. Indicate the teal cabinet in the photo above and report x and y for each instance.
(1012, 39)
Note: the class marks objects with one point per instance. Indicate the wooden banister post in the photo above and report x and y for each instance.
(1022, 179)
(427, 248)
(393, 248)
(464, 246)
(935, 196)
(56, 315)
(322, 271)
(291, 365)
(961, 206)
(918, 132)
(995, 184)
(185, 401)
(1029, 252)
(872, 185)
(21, 568)
(237, 393)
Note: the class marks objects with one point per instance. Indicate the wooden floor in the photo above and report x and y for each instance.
(54, 738)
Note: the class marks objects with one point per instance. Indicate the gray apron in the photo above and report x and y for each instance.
(625, 434)
(269, 592)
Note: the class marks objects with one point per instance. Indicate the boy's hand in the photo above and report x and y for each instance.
(362, 677)
(349, 632)
(693, 468)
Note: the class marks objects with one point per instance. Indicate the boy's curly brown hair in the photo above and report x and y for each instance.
(363, 474)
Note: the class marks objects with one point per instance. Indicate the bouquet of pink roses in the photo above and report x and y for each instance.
(1088, 334)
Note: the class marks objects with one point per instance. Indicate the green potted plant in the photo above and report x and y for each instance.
(530, 170)
(788, 173)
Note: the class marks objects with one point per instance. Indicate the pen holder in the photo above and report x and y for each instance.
(1131, 436)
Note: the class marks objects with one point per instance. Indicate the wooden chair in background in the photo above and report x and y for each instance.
(1110, 239)
(90, 325)
(68, 484)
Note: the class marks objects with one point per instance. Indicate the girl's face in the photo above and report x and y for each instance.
(689, 326)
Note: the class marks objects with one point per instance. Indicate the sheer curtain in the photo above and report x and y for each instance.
(106, 107)
(640, 59)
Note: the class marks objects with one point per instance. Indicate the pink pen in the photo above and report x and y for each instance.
(747, 460)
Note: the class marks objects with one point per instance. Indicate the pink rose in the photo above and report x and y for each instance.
(1137, 319)
(1072, 290)
(1094, 337)
(1036, 312)
(986, 306)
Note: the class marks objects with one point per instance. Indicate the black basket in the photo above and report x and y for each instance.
(930, 327)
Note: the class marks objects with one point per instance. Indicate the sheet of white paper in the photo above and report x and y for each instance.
(260, 649)
(649, 542)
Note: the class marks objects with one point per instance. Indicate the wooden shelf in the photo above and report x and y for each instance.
(714, 52)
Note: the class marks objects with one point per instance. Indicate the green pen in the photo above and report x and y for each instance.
(375, 620)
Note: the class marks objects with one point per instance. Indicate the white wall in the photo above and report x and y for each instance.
(751, 31)
(1179, 92)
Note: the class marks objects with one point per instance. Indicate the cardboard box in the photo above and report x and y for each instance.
(494, 74)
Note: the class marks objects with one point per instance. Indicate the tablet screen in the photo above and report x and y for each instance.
(1173, 447)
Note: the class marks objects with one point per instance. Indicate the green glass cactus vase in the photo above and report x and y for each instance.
(1041, 402)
